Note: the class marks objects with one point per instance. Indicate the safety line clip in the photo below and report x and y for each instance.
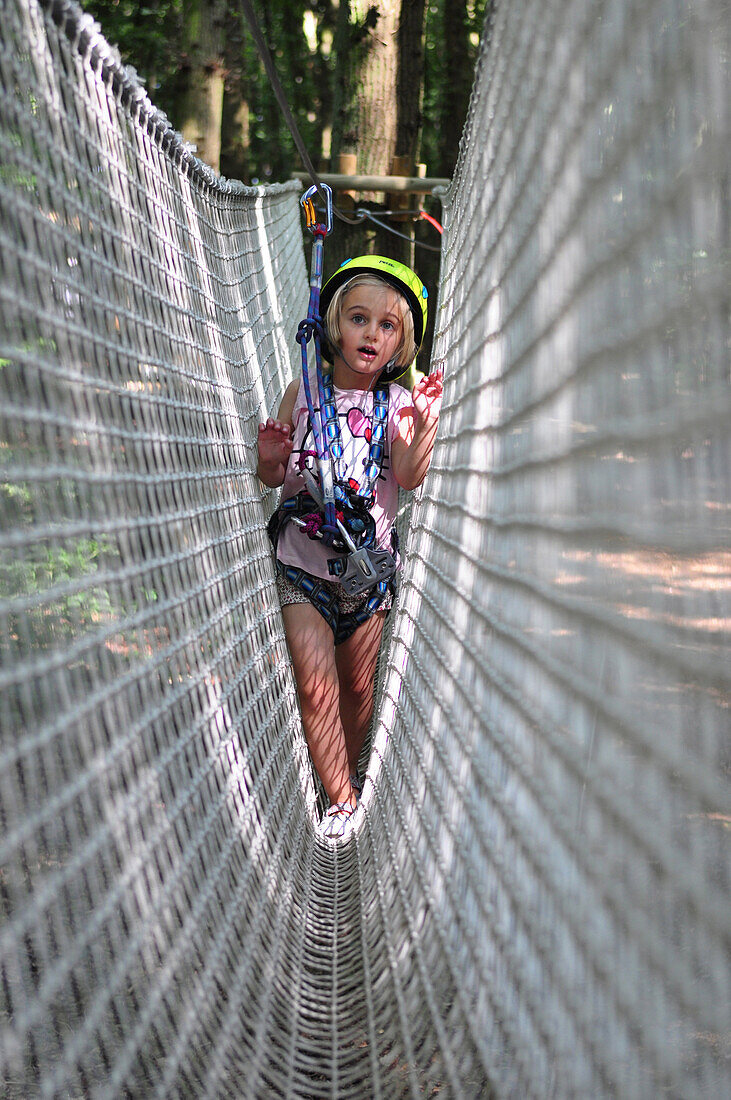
(309, 208)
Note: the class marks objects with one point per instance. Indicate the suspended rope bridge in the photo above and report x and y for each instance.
(534, 901)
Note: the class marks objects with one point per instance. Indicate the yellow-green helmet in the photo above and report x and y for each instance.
(401, 278)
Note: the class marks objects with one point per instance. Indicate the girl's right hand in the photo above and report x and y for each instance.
(275, 441)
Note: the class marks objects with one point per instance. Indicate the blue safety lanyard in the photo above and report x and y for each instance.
(311, 329)
(323, 415)
(366, 490)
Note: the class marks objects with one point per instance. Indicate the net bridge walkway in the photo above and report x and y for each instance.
(535, 902)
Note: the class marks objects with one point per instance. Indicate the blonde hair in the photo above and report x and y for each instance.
(406, 350)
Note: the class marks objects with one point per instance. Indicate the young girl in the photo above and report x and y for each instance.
(380, 437)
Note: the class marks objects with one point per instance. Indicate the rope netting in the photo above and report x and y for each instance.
(535, 900)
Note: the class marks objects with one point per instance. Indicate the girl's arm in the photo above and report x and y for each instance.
(412, 449)
(276, 440)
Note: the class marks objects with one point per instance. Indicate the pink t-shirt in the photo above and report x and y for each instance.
(355, 411)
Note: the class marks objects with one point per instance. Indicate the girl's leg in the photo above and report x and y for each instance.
(311, 645)
(356, 665)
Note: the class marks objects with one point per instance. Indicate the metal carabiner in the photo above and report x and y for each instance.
(309, 207)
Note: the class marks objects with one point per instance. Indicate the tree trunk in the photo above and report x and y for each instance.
(457, 86)
(410, 79)
(365, 94)
(200, 103)
(365, 109)
(236, 114)
(235, 129)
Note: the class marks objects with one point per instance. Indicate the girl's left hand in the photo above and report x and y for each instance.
(427, 397)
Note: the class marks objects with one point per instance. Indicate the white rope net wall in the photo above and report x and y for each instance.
(557, 740)
(534, 901)
(152, 783)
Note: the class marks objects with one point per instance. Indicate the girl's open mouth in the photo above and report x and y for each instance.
(367, 352)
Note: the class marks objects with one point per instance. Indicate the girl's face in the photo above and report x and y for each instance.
(370, 333)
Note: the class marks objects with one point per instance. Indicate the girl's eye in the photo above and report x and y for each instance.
(389, 326)
(357, 318)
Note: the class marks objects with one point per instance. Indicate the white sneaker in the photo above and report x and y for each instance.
(337, 820)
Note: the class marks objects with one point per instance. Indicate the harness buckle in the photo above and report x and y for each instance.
(366, 568)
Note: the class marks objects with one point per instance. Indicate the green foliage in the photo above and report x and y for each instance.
(11, 175)
(453, 31)
(148, 34)
(56, 583)
(257, 145)
(302, 72)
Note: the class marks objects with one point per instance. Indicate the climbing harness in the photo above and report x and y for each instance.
(360, 565)
(334, 507)
(363, 565)
(321, 595)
